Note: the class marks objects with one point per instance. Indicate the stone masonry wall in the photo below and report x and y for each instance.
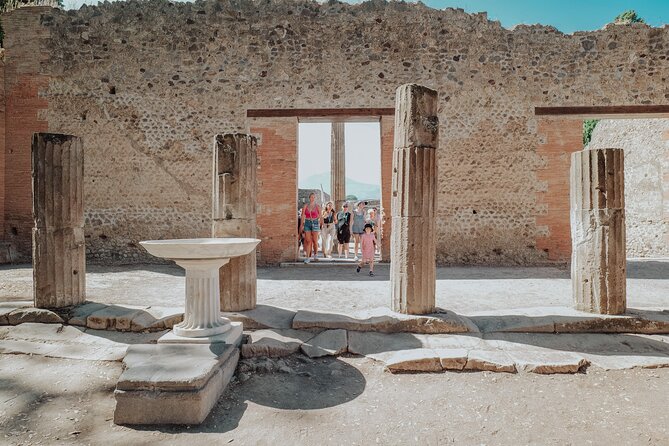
(148, 85)
(646, 146)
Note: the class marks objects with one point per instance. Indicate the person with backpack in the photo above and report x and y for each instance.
(343, 230)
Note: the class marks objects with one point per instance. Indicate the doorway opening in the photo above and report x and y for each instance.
(360, 149)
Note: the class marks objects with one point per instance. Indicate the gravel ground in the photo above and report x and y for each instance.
(340, 289)
(349, 401)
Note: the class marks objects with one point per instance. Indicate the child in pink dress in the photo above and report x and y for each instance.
(368, 242)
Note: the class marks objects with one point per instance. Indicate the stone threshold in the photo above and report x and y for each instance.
(130, 318)
(521, 320)
(542, 353)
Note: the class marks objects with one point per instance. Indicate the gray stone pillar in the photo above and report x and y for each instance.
(337, 165)
(414, 193)
(598, 231)
(59, 254)
(234, 215)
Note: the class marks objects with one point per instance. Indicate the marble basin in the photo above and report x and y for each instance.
(201, 258)
(200, 248)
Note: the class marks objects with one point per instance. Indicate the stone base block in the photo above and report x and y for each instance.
(233, 337)
(178, 387)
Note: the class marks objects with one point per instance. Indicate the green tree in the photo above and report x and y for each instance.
(628, 17)
(588, 126)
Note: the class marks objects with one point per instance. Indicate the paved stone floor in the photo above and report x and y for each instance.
(345, 401)
(338, 288)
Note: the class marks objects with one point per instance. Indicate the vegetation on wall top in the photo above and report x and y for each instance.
(628, 17)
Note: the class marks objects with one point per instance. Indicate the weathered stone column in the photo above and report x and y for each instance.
(59, 254)
(598, 231)
(337, 165)
(234, 215)
(414, 193)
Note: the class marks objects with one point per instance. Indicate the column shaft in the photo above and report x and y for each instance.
(337, 165)
(598, 260)
(234, 215)
(414, 192)
(59, 254)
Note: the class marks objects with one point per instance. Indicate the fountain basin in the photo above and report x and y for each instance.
(202, 259)
(200, 248)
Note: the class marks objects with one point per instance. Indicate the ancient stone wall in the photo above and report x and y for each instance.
(646, 146)
(148, 85)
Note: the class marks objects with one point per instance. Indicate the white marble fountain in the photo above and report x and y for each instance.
(201, 258)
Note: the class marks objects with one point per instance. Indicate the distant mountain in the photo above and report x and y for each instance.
(360, 190)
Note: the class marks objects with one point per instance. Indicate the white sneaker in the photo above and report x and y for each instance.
(306, 260)
(355, 259)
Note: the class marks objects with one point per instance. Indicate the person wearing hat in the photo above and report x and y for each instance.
(368, 248)
(329, 231)
(358, 227)
(343, 230)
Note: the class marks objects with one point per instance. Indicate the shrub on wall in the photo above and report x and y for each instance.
(628, 17)
(588, 126)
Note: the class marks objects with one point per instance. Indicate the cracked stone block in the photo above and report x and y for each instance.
(275, 343)
(327, 343)
(38, 315)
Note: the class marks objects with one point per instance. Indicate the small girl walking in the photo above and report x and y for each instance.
(368, 242)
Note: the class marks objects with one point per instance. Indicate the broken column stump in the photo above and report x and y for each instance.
(59, 254)
(413, 210)
(234, 215)
(598, 269)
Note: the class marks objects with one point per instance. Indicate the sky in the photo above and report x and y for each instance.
(362, 142)
(566, 15)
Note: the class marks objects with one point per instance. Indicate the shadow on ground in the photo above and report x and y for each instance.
(312, 385)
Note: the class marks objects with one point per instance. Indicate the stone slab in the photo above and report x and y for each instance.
(490, 361)
(58, 341)
(370, 343)
(36, 315)
(414, 360)
(275, 342)
(8, 307)
(80, 313)
(547, 363)
(172, 367)
(171, 406)
(263, 316)
(233, 337)
(569, 320)
(327, 343)
(114, 317)
(385, 321)
(452, 358)
(157, 318)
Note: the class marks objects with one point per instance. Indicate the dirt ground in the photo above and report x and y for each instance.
(339, 289)
(348, 401)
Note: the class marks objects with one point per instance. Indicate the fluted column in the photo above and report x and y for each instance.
(337, 165)
(414, 192)
(59, 254)
(598, 269)
(202, 315)
(234, 215)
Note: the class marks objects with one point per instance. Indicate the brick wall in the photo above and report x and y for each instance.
(387, 142)
(24, 54)
(2, 150)
(558, 139)
(277, 189)
(149, 96)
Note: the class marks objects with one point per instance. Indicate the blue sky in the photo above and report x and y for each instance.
(566, 15)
